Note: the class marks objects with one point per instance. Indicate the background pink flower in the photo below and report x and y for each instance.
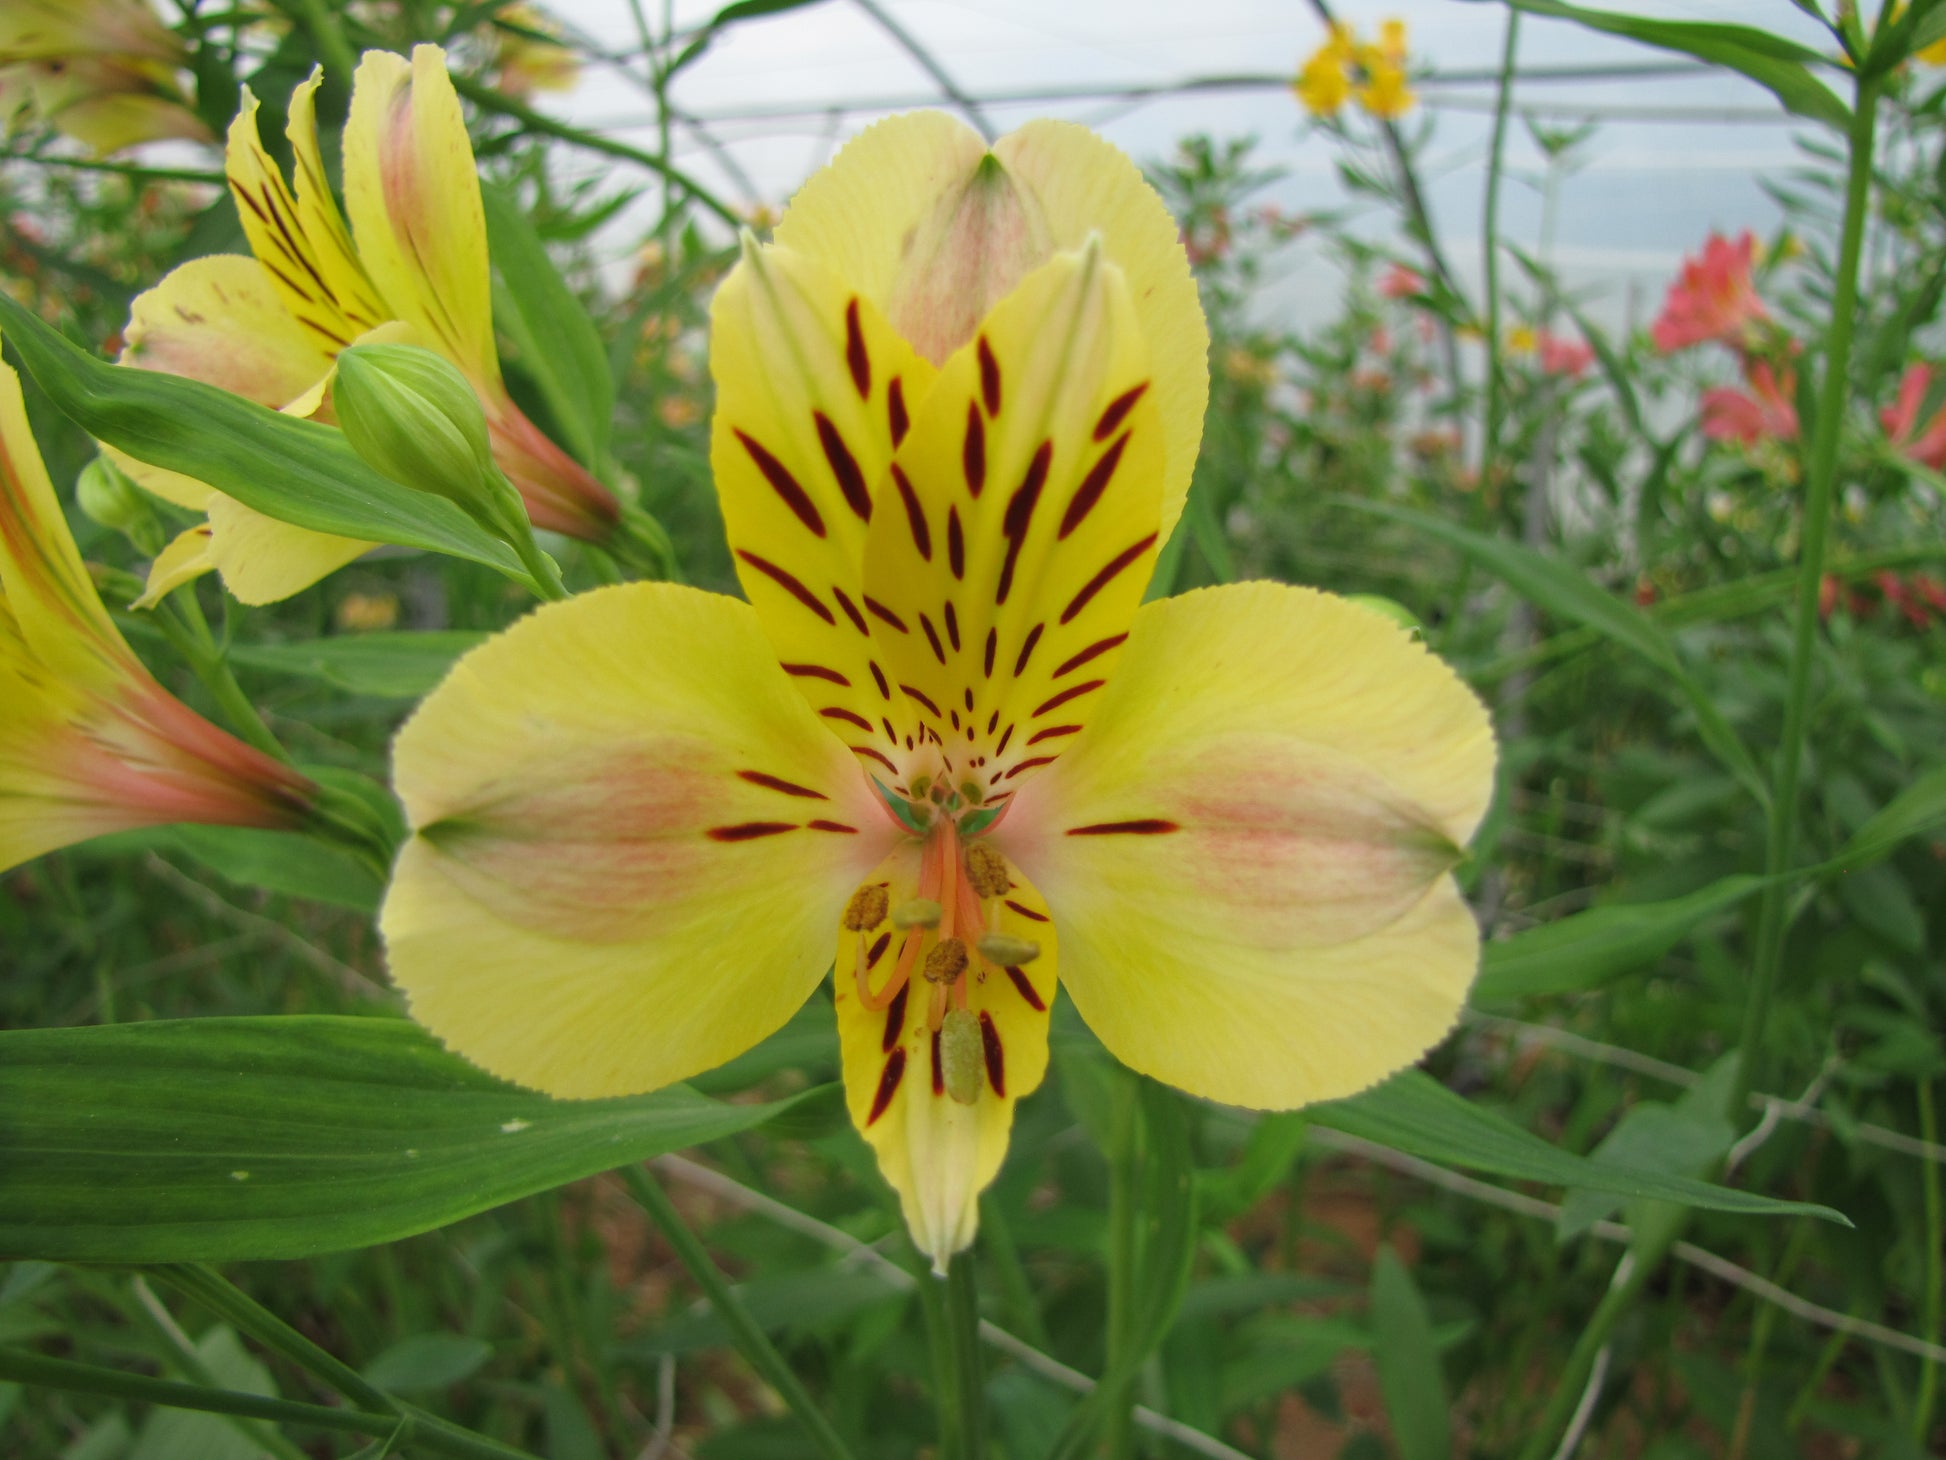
(1713, 298)
(1924, 444)
(1564, 355)
(1399, 282)
(1764, 413)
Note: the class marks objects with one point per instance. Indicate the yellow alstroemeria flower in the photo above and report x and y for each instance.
(411, 268)
(100, 71)
(958, 402)
(89, 742)
(530, 54)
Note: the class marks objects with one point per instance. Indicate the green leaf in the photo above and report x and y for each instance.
(1563, 590)
(183, 1434)
(296, 471)
(560, 349)
(1920, 807)
(1408, 1363)
(403, 665)
(278, 861)
(1413, 1112)
(282, 1137)
(823, 1300)
(1585, 951)
(427, 1361)
(1684, 1138)
(1780, 66)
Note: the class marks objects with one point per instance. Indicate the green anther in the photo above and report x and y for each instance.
(962, 1055)
(920, 912)
(1008, 952)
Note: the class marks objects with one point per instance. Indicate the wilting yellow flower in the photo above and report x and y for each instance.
(411, 268)
(100, 71)
(89, 742)
(529, 54)
(958, 402)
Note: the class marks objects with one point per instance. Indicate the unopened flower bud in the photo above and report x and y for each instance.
(946, 961)
(412, 416)
(962, 1055)
(109, 499)
(920, 912)
(1006, 952)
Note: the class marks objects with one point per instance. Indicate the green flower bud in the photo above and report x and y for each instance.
(109, 499)
(412, 416)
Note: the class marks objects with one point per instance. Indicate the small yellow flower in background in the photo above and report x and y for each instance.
(411, 268)
(958, 403)
(1345, 67)
(103, 72)
(530, 54)
(1934, 54)
(1521, 340)
(89, 742)
(364, 613)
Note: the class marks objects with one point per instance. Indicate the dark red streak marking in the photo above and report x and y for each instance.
(850, 608)
(1028, 765)
(879, 611)
(996, 1056)
(888, 1083)
(855, 356)
(955, 543)
(938, 1074)
(892, 735)
(969, 699)
(973, 452)
(923, 698)
(915, 514)
(1005, 736)
(1020, 513)
(1027, 649)
(993, 642)
(745, 831)
(789, 583)
(1118, 410)
(1106, 576)
(833, 826)
(844, 466)
(784, 485)
(1034, 1000)
(817, 671)
(952, 627)
(992, 720)
(1094, 650)
(1026, 912)
(850, 717)
(932, 637)
(955, 717)
(877, 951)
(989, 378)
(894, 1019)
(778, 783)
(1052, 732)
(878, 678)
(1092, 486)
(896, 417)
(1072, 692)
(1147, 826)
(882, 759)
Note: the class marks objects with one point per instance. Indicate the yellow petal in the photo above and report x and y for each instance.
(220, 320)
(1008, 558)
(632, 841)
(263, 560)
(936, 1152)
(863, 214)
(412, 189)
(321, 284)
(185, 559)
(813, 391)
(1246, 851)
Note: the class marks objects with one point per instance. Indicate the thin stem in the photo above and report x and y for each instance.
(963, 1341)
(1631, 1275)
(751, 1341)
(1834, 396)
(487, 99)
(1490, 249)
(189, 631)
(333, 48)
(1118, 1436)
(1935, 1238)
(120, 169)
(945, 1371)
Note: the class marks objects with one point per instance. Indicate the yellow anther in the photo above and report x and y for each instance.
(1008, 952)
(945, 960)
(920, 912)
(866, 910)
(962, 1055)
(986, 870)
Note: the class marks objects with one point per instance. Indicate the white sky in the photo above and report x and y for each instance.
(1647, 191)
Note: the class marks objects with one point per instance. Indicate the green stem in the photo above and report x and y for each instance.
(1118, 1419)
(1922, 1404)
(120, 169)
(750, 1339)
(487, 99)
(333, 48)
(1490, 250)
(945, 1373)
(1543, 1436)
(189, 631)
(1833, 397)
(540, 567)
(963, 1340)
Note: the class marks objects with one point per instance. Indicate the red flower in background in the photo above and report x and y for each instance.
(1399, 282)
(1564, 355)
(1713, 299)
(1764, 413)
(1924, 444)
